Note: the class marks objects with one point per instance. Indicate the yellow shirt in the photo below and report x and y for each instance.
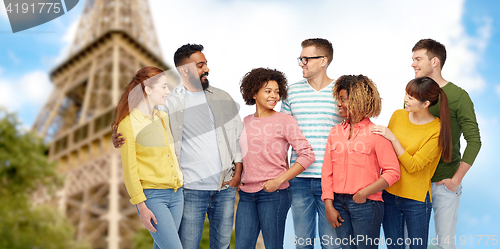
(421, 156)
(147, 159)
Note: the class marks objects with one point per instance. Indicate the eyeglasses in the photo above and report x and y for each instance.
(305, 60)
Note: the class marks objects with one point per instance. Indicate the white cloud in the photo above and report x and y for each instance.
(371, 38)
(66, 42)
(7, 97)
(3, 11)
(29, 91)
(497, 89)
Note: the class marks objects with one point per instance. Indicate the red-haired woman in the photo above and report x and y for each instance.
(150, 169)
(418, 139)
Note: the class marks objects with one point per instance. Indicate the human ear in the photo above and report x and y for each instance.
(324, 61)
(435, 61)
(426, 104)
(148, 90)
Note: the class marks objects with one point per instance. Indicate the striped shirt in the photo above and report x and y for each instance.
(316, 113)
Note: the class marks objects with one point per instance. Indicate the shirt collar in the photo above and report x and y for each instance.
(139, 116)
(181, 89)
(360, 125)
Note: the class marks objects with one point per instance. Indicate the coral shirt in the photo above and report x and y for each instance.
(352, 164)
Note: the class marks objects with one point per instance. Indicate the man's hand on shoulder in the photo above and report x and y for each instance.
(117, 138)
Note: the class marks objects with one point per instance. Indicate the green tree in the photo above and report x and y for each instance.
(24, 168)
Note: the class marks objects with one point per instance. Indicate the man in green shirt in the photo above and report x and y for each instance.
(428, 60)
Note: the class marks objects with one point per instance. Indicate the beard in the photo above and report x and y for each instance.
(194, 79)
(204, 84)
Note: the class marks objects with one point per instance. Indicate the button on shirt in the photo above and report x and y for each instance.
(352, 164)
(147, 155)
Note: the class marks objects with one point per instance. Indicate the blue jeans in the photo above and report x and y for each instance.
(445, 204)
(261, 211)
(166, 205)
(361, 226)
(415, 214)
(219, 206)
(306, 206)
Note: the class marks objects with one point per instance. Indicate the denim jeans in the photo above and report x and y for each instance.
(361, 226)
(445, 204)
(306, 206)
(261, 211)
(219, 206)
(416, 214)
(166, 205)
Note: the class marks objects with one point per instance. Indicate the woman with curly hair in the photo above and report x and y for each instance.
(150, 169)
(357, 166)
(418, 139)
(267, 135)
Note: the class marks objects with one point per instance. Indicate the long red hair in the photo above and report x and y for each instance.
(130, 99)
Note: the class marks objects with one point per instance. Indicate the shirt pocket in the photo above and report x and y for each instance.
(150, 161)
(360, 156)
(336, 155)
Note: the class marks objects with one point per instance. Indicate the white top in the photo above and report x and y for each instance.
(316, 113)
(199, 158)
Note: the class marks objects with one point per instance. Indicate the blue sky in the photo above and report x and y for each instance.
(369, 37)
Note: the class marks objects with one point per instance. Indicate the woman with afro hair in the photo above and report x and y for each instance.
(358, 165)
(265, 140)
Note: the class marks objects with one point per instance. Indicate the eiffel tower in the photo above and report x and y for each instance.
(114, 39)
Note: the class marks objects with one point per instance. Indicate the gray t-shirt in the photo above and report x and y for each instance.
(199, 159)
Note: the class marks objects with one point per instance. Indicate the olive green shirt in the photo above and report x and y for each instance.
(462, 120)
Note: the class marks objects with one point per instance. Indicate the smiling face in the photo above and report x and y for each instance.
(313, 67)
(202, 69)
(268, 96)
(158, 92)
(422, 64)
(343, 103)
(412, 104)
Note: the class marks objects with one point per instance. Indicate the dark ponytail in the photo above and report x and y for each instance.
(425, 88)
(445, 133)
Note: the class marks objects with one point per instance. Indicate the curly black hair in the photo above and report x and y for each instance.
(254, 80)
(185, 51)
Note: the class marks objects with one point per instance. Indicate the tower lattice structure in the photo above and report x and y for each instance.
(114, 39)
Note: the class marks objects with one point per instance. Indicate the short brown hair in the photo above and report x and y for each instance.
(434, 49)
(323, 45)
(364, 99)
(254, 80)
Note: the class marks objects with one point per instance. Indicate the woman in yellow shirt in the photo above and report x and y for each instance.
(418, 139)
(150, 169)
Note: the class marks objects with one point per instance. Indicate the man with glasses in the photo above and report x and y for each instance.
(311, 103)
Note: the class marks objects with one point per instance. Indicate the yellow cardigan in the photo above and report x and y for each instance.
(147, 159)
(421, 156)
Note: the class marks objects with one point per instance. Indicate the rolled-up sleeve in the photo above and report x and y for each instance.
(387, 160)
(129, 163)
(327, 174)
(299, 143)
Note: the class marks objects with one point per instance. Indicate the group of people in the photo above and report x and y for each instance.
(186, 152)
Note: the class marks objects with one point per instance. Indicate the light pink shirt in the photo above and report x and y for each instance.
(264, 143)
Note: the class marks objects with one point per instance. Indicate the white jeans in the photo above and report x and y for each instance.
(445, 205)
